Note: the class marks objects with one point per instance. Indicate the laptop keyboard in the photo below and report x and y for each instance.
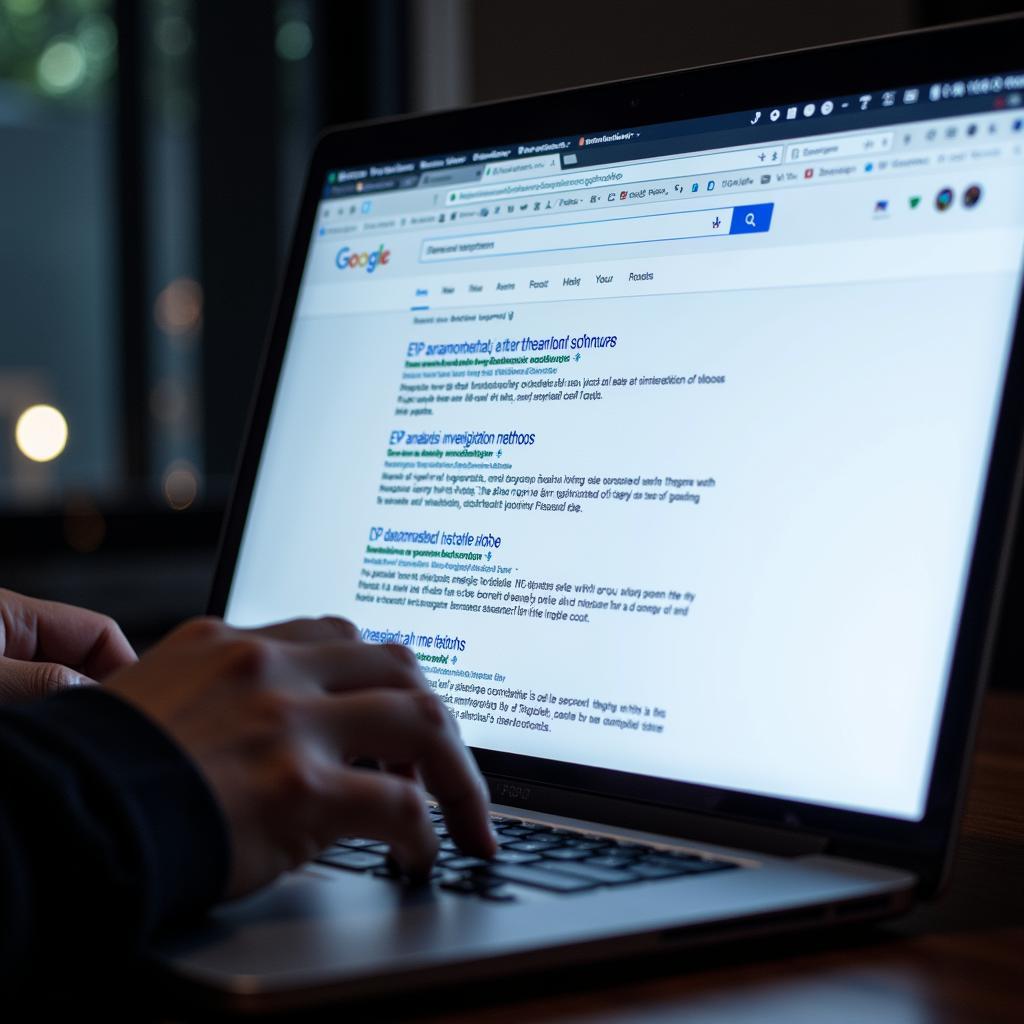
(554, 860)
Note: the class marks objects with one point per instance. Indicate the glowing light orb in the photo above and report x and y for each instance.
(41, 433)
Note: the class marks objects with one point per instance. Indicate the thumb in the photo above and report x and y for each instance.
(27, 680)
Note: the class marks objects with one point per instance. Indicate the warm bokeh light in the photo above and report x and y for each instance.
(41, 433)
(179, 307)
(181, 485)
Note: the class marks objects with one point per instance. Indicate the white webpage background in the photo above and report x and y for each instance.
(848, 446)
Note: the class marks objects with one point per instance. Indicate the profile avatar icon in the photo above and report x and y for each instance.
(944, 199)
(972, 196)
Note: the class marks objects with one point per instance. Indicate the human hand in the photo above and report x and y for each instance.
(275, 717)
(46, 646)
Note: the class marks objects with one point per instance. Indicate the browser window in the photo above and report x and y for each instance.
(662, 455)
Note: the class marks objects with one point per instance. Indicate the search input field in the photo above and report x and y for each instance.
(663, 227)
(617, 176)
(845, 146)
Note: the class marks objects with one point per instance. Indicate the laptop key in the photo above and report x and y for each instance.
(625, 853)
(504, 840)
(582, 869)
(352, 860)
(610, 860)
(356, 844)
(537, 835)
(566, 853)
(650, 872)
(459, 863)
(529, 845)
(532, 875)
(514, 857)
(514, 830)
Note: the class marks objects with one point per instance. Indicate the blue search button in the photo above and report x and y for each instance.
(749, 220)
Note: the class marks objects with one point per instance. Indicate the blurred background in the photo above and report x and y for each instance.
(151, 160)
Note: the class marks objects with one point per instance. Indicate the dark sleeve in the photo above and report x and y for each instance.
(107, 830)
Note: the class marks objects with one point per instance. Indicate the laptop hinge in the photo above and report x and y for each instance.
(663, 820)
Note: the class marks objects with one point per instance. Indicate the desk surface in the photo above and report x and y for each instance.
(959, 959)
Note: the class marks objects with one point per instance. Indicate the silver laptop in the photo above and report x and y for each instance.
(674, 425)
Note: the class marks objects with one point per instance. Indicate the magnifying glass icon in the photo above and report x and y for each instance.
(750, 221)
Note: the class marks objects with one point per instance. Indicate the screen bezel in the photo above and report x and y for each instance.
(952, 52)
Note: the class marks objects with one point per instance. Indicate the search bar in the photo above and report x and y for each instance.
(844, 146)
(660, 227)
(614, 176)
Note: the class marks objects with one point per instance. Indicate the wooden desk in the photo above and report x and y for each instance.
(959, 959)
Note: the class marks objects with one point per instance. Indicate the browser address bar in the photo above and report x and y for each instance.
(662, 227)
(713, 163)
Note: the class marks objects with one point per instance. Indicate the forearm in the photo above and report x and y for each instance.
(107, 830)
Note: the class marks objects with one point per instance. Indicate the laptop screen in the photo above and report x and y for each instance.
(662, 448)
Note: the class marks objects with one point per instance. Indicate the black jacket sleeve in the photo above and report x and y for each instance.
(107, 830)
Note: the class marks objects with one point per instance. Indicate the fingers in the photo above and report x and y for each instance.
(343, 666)
(387, 808)
(326, 653)
(335, 665)
(297, 631)
(414, 728)
(87, 642)
(28, 680)
(326, 628)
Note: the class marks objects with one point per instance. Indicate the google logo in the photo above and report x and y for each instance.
(349, 260)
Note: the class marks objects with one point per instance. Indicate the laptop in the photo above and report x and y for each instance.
(675, 426)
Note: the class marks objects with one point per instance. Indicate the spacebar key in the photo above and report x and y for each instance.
(539, 879)
(597, 875)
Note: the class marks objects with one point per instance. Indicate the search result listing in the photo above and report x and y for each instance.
(599, 524)
(525, 491)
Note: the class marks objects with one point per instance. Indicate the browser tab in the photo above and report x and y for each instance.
(388, 170)
(607, 137)
(491, 154)
(537, 148)
(451, 175)
(530, 167)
